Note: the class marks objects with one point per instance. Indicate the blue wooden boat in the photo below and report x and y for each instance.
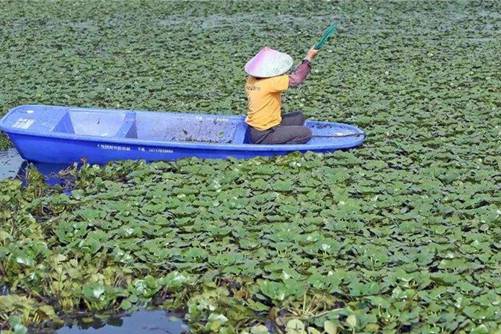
(56, 134)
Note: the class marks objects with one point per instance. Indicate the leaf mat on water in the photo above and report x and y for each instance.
(400, 235)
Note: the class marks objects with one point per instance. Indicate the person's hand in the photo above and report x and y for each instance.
(311, 54)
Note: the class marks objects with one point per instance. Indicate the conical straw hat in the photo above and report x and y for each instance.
(268, 63)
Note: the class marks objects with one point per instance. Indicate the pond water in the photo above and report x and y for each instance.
(148, 322)
(10, 163)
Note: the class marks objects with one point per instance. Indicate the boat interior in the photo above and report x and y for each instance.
(155, 126)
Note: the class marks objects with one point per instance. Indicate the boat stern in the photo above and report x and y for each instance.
(32, 118)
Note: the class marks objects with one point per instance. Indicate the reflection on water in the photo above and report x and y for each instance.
(147, 322)
(10, 163)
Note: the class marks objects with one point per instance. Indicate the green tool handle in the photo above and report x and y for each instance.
(328, 33)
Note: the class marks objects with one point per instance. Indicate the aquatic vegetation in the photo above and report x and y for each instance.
(309, 238)
(401, 235)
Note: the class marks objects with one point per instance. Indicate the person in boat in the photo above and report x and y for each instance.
(264, 86)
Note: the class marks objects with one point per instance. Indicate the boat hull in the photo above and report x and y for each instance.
(61, 135)
(57, 151)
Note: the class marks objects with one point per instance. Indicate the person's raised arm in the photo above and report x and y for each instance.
(311, 54)
(301, 72)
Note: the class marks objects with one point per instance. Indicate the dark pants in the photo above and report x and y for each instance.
(290, 131)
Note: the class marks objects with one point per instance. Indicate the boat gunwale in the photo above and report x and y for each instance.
(179, 144)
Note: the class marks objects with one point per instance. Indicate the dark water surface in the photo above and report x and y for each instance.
(10, 163)
(148, 322)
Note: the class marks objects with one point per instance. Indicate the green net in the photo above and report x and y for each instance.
(331, 30)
